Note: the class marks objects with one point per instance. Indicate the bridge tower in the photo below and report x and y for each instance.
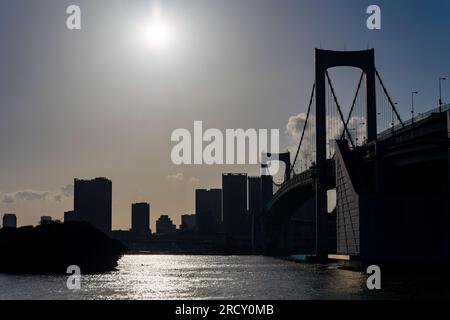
(282, 157)
(325, 59)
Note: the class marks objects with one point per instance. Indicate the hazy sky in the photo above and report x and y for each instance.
(102, 102)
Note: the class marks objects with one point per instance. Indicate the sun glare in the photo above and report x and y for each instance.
(158, 33)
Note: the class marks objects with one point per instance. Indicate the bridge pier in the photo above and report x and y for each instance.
(393, 196)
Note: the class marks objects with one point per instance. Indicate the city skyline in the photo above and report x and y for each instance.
(54, 126)
(94, 194)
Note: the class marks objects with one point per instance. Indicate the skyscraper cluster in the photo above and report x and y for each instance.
(235, 210)
(232, 212)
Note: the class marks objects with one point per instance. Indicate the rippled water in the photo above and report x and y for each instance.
(216, 277)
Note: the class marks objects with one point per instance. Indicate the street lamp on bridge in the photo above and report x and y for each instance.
(412, 105)
(440, 92)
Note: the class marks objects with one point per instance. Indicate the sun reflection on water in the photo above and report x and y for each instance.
(166, 277)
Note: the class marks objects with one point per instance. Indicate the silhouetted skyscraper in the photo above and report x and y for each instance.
(188, 223)
(234, 203)
(164, 225)
(267, 190)
(140, 218)
(69, 216)
(266, 185)
(260, 191)
(254, 196)
(45, 220)
(208, 210)
(93, 202)
(9, 220)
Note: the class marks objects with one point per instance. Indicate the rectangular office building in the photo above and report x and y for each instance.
(234, 203)
(140, 218)
(9, 220)
(208, 210)
(93, 202)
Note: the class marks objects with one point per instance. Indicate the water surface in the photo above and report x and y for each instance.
(220, 277)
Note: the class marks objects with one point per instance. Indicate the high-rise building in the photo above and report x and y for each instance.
(234, 203)
(265, 195)
(69, 216)
(164, 225)
(9, 220)
(45, 220)
(188, 223)
(266, 189)
(208, 210)
(254, 196)
(93, 202)
(260, 191)
(140, 218)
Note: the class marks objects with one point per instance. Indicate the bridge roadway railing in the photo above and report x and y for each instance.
(391, 131)
(305, 178)
(302, 178)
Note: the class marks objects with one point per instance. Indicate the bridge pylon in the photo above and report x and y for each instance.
(282, 157)
(326, 59)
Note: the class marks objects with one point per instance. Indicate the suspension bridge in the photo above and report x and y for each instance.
(390, 177)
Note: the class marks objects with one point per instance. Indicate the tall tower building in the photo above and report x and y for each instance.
(208, 210)
(140, 218)
(69, 216)
(254, 196)
(93, 202)
(188, 223)
(165, 225)
(9, 220)
(234, 203)
(260, 192)
(266, 190)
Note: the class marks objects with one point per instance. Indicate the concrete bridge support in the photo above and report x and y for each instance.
(409, 221)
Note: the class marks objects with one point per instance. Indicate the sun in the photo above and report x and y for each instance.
(158, 33)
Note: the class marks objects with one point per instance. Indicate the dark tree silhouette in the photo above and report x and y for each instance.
(50, 249)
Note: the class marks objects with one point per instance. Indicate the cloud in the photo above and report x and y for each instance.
(31, 195)
(194, 180)
(295, 126)
(177, 177)
(67, 191)
(36, 195)
(357, 127)
(335, 127)
(7, 199)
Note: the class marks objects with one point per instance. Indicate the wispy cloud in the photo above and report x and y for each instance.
(37, 195)
(7, 199)
(177, 177)
(194, 181)
(67, 191)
